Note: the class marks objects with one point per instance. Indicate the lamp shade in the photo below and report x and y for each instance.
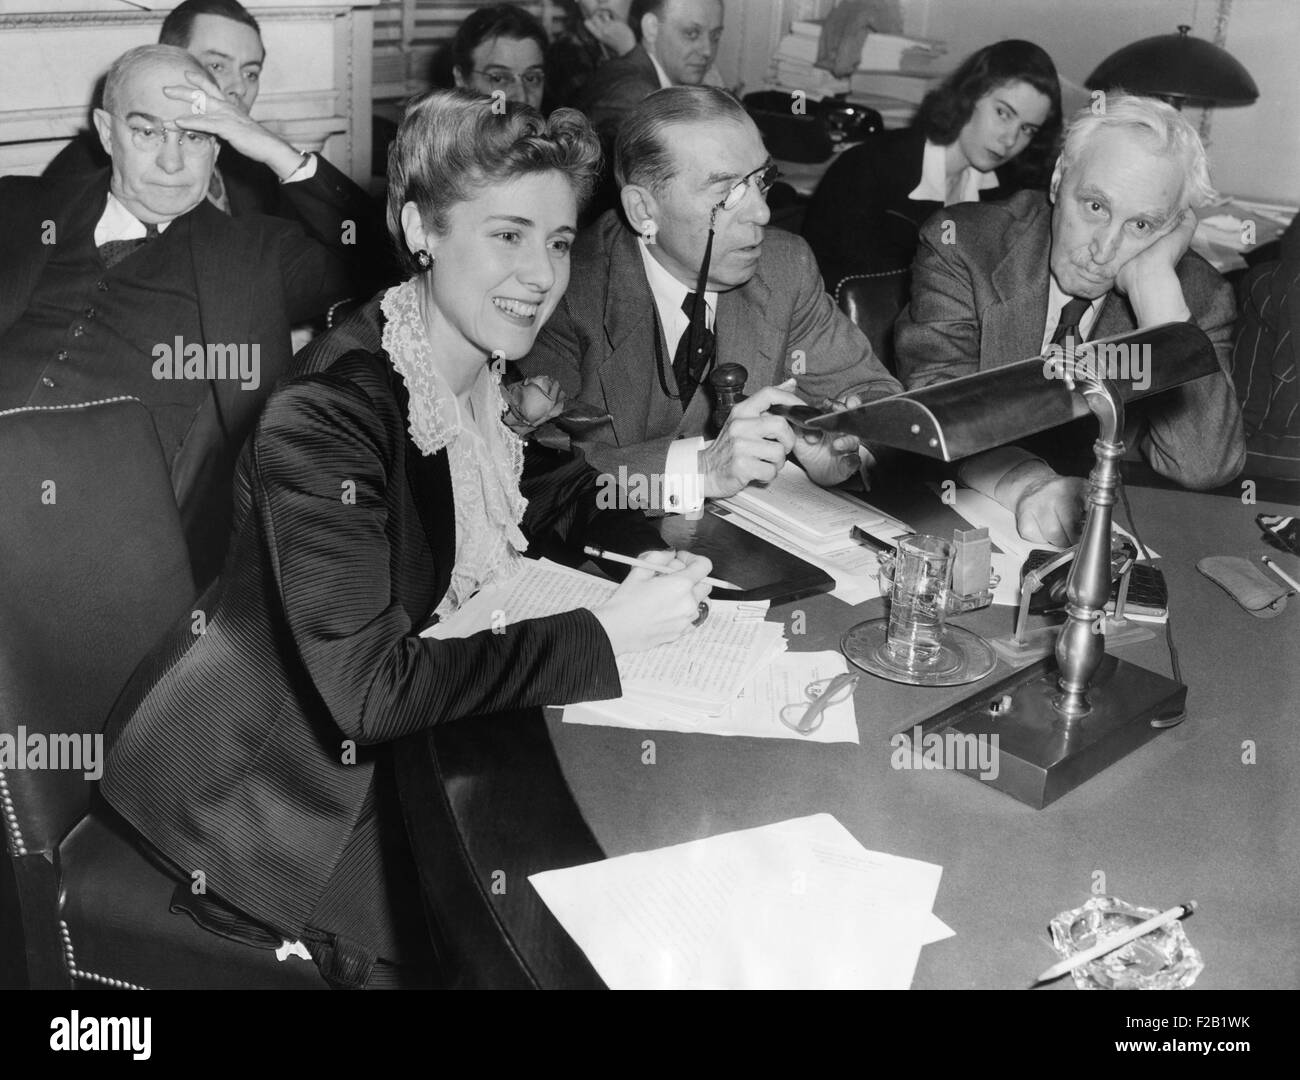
(1179, 68)
(954, 419)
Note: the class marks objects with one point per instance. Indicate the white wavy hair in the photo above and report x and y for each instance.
(1167, 130)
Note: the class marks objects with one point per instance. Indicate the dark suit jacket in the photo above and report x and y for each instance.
(227, 751)
(616, 88)
(1264, 361)
(599, 343)
(255, 277)
(860, 220)
(572, 58)
(982, 302)
(322, 205)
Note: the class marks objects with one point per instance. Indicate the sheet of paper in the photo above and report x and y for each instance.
(796, 905)
(705, 668)
(799, 509)
(709, 663)
(541, 587)
(756, 712)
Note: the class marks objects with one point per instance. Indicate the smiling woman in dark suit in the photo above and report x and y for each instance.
(988, 130)
(379, 492)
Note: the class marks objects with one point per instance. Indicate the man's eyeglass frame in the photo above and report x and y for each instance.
(763, 178)
(194, 142)
(502, 77)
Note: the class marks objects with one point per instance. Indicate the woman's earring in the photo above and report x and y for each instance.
(423, 259)
(649, 231)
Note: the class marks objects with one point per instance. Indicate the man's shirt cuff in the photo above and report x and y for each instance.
(305, 171)
(683, 484)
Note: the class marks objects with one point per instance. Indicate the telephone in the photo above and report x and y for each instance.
(1147, 592)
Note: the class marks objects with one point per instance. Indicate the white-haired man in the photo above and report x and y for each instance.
(1105, 253)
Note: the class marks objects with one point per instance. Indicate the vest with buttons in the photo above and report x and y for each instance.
(91, 332)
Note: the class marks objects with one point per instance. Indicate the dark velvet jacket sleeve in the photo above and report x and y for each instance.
(323, 463)
(339, 214)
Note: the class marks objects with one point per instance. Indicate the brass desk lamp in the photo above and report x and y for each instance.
(1066, 718)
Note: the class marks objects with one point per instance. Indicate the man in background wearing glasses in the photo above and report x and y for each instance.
(259, 172)
(631, 338)
(501, 50)
(103, 277)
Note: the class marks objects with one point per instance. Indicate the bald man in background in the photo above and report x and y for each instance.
(260, 172)
(130, 281)
(677, 41)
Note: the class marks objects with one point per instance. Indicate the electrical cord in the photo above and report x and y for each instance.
(1174, 665)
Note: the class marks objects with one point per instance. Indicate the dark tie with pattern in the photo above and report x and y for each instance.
(1071, 312)
(114, 251)
(688, 370)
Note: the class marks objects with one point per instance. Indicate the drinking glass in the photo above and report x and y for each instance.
(917, 602)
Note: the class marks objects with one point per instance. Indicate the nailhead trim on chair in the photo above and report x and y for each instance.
(89, 976)
(65, 408)
(12, 831)
(329, 315)
(864, 277)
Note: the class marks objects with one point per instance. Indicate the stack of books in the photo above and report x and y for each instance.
(793, 65)
(894, 71)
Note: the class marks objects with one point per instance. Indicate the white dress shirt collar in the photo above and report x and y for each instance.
(934, 179)
(669, 294)
(664, 80)
(118, 223)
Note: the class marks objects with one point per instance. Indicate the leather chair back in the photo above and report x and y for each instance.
(873, 302)
(93, 570)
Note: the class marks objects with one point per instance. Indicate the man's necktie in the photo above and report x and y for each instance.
(217, 192)
(114, 251)
(1071, 312)
(688, 370)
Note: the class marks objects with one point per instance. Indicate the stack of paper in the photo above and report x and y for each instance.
(894, 52)
(817, 518)
(815, 523)
(894, 71)
(693, 680)
(795, 905)
(894, 74)
(703, 672)
(756, 710)
(793, 66)
(540, 588)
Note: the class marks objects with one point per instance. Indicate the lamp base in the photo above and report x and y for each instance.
(1040, 756)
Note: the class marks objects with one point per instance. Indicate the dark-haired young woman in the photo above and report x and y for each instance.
(990, 129)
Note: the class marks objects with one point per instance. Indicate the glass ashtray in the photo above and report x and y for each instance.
(1162, 960)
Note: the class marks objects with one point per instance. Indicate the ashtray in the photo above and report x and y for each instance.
(1162, 960)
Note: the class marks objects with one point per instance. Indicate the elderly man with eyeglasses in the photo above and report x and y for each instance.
(130, 281)
(258, 172)
(632, 338)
